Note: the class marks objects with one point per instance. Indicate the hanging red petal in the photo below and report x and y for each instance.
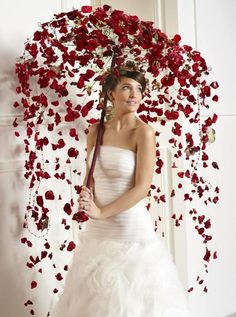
(59, 276)
(39, 200)
(71, 246)
(67, 209)
(33, 284)
(49, 195)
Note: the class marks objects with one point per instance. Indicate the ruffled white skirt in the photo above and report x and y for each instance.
(122, 274)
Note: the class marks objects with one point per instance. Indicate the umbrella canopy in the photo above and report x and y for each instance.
(60, 77)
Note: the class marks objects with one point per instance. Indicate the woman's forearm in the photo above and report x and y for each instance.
(124, 202)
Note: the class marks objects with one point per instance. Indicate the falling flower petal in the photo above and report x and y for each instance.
(72, 152)
(49, 195)
(207, 255)
(33, 284)
(39, 200)
(29, 302)
(59, 276)
(71, 246)
(67, 209)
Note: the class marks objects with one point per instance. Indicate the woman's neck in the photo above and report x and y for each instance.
(123, 123)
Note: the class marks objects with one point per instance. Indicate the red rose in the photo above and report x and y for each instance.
(72, 152)
(49, 195)
(177, 38)
(71, 246)
(86, 9)
(171, 115)
(39, 200)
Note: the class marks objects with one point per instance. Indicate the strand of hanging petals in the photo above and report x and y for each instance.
(60, 76)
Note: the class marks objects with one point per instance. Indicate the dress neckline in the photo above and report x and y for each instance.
(116, 147)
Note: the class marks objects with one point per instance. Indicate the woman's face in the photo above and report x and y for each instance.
(127, 95)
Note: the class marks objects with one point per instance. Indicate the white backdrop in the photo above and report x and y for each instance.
(18, 20)
(208, 25)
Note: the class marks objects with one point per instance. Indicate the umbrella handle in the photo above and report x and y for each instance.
(101, 129)
(81, 216)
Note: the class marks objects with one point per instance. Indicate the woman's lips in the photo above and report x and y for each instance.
(132, 102)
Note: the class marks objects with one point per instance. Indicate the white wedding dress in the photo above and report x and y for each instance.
(121, 268)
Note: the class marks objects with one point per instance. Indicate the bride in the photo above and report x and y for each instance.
(121, 267)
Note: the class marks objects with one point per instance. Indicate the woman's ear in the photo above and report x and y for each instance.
(109, 95)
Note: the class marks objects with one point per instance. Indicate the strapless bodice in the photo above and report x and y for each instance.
(114, 175)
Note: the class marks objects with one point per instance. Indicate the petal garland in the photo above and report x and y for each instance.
(65, 61)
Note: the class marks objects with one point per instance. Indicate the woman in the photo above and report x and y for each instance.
(121, 267)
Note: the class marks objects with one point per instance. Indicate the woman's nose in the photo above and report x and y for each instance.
(132, 93)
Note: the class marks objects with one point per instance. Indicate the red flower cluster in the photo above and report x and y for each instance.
(65, 61)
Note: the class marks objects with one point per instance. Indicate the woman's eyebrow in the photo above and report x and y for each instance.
(138, 85)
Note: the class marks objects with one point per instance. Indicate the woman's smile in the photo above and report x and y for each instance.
(132, 102)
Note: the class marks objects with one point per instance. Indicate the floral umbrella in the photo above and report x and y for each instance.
(60, 76)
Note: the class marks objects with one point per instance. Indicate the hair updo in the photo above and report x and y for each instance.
(112, 78)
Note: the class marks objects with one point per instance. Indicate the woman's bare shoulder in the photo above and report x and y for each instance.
(145, 127)
(144, 134)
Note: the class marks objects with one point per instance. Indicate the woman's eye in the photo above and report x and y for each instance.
(139, 89)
